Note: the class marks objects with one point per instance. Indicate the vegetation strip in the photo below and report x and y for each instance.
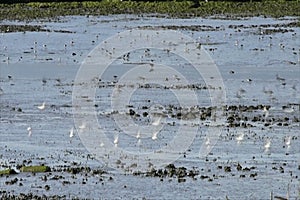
(7, 172)
(36, 10)
(34, 169)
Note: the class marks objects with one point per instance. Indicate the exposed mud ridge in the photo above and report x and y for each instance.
(189, 28)
(244, 116)
(268, 29)
(170, 171)
(182, 173)
(22, 196)
(286, 25)
(21, 28)
(197, 86)
(6, 28)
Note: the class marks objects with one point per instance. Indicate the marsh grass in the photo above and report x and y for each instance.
(7, 172)
(35, 169)
(36, 10)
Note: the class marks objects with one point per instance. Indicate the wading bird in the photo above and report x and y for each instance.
(42, 107)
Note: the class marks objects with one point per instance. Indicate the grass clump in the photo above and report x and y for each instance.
(7, 172)
(35, 169)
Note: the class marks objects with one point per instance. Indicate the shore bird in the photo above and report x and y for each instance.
(240, 138)
(287, 141)
(116, 140)
(138, 135)
(71, 132)
(267, 145)
(266, 112)
(42, 107)
(29, 129)
(154, 135)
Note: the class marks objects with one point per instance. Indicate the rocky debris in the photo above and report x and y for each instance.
(22, 196)
(227, 169)
(239, 167)
(170, 171)
(244, 116)
(11, 182)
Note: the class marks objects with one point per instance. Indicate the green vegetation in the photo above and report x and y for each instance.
(7, 172)
(34, 10)
(35, 169)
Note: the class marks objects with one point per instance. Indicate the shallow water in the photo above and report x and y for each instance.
(37, 67)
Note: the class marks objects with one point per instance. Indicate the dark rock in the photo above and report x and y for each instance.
(47, 187)
(239, 167)
(181, 180)
(227, 169)
(131, 112)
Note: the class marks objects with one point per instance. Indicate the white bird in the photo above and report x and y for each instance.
(71, 132)
(116, 140)
(138, 135)
(29, 129)
(288, 141)
(42, 107)
(240, 138)
(266, 112)
(207, 142)
(154, 135)
(267, 145)
(156, 122)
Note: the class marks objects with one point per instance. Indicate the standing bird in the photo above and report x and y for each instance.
(29, 129)
(240, 138)
(266, 112)
(288, 141)
(116, 140)
(71, 132)
(138, 135)
(42, 107)
(267, 145)
(154, 135)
